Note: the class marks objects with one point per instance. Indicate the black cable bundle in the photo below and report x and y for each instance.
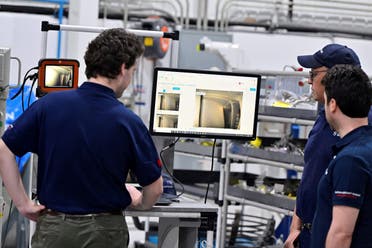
(166, 168)
(32, 77)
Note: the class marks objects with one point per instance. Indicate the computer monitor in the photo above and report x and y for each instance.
(57, 75)
(204, 104)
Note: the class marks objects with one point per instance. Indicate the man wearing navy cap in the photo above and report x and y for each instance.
(343, 216)
(318, 152)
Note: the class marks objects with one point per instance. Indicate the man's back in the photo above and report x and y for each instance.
(86, 144)
(86, 141)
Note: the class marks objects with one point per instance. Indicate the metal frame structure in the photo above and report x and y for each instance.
(228, 157)
(46, 26)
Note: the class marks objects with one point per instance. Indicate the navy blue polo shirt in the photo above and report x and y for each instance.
(317, 155)
(347, 182)
(86, 141)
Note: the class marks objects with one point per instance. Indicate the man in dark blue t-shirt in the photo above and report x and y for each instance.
(86, 142)
(343, 216)
(317, 153)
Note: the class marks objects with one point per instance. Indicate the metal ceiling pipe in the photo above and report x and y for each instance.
(138, 6)
(199, 14)
(187, 15)
(205, 19)
(278, 9)
(241, 3)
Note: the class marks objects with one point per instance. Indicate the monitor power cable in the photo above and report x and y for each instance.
(166, 167)
(210, 175)
(32, 77)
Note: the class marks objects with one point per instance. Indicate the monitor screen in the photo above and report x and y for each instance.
(59, 76)
(204, 104)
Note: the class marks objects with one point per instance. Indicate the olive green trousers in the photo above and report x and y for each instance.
(80, 232)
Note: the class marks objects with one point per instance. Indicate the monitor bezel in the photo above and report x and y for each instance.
(43, 63)
(211, 136)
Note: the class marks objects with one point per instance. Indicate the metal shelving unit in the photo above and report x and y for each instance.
(245, 154)
(272, 202)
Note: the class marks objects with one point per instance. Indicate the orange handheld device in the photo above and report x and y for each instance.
(57, 75)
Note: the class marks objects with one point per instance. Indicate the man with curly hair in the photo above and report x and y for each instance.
(86, 142)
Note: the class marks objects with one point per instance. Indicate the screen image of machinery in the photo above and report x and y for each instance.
(204, 103)
(58, 76)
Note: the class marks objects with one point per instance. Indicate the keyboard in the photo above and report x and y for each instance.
(163, 201)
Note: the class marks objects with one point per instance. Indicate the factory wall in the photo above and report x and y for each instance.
(273, 51)
(262, 51)
(21, 32)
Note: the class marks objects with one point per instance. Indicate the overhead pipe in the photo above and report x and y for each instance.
(216, 18)
(27, 9)
(110, 14)
(52, 11)
(116, 5)
(228, 4)
(187, 19)
(322, 9)
(61, 4)
(350, 10)
(353, 3)
(290, 10)
(52, 1)
(205, 19)
(60, 21)
(199, 14)
(173, 18)
(125, 13)
(182, 18)
(272, 22)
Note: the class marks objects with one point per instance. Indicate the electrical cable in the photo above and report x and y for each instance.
(30, 94)
(24, 81)
(22, 88)
(166, 168)
(32, 77)
(209, 179)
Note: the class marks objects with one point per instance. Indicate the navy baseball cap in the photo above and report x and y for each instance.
(328, 56)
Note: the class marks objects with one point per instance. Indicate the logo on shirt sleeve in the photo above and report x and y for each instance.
(160, 164)
(347, 194)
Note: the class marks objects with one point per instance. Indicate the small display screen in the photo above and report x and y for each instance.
(198, 103)
(59, 76)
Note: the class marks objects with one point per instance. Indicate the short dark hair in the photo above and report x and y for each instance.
(351, 88)
(109, 50)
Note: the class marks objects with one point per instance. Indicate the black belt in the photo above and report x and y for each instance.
(306, 226)
(92, 215)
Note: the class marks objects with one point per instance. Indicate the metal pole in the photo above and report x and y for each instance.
(125, 10)
(89, 29)
(174, 53)
(44, 43)
(224, 207)
(4, 89)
